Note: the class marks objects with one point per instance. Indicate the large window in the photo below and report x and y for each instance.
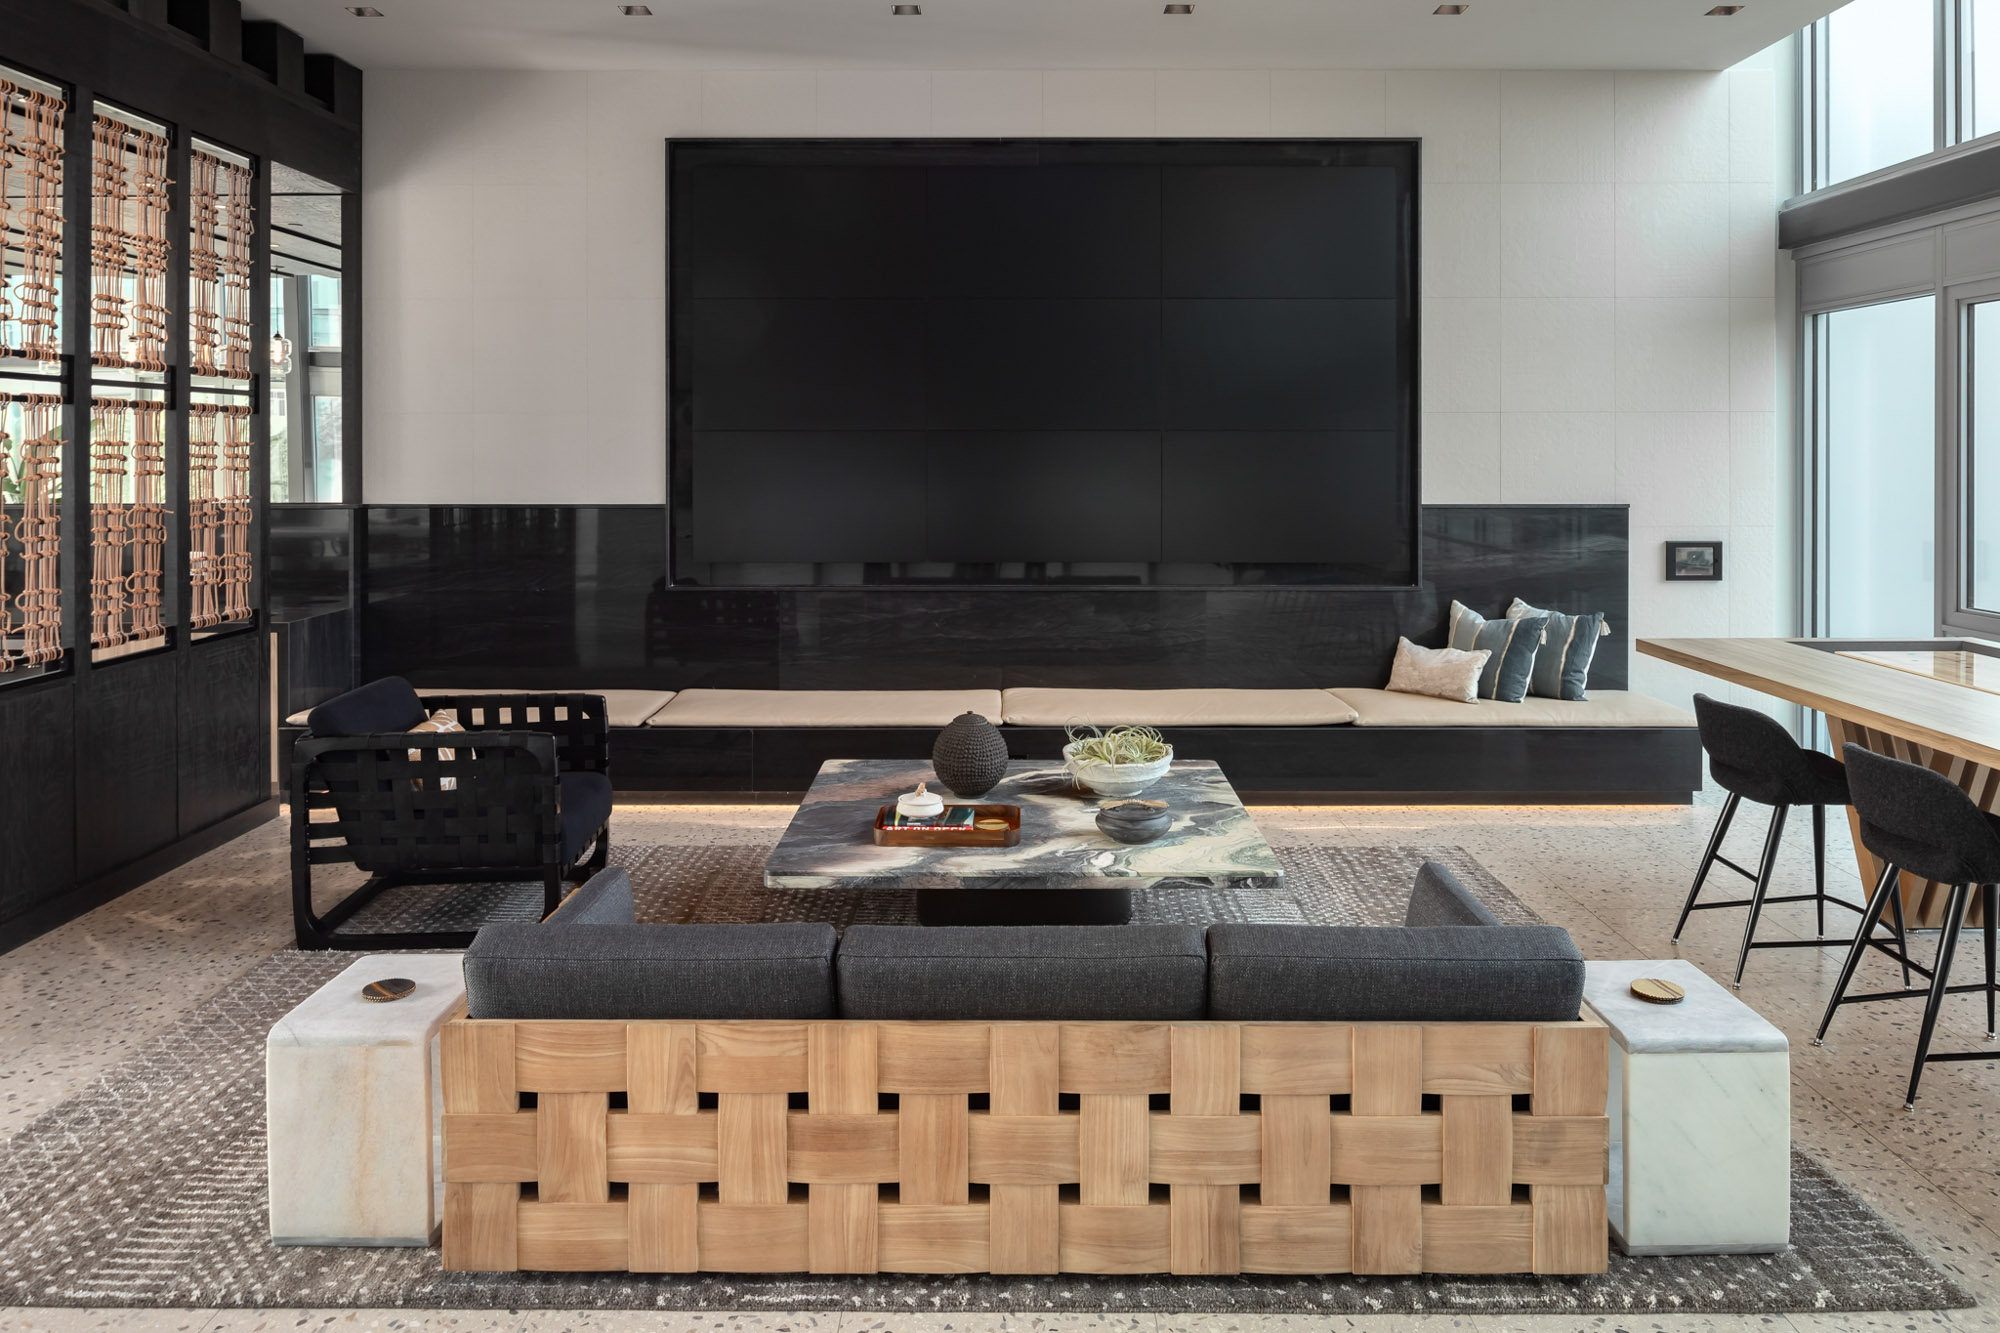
(1874, 470)
(1892, 80)
(1877, 71)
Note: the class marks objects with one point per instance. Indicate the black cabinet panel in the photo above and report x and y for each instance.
(1272, 496)
(225, 757)
(1234, 231)
(1045, 231)
(37, 796)
(810, 495)
(808, 365)
(128, 762)
(1282, 365)
(1042, 365)
(806, 231)
(1072, 495)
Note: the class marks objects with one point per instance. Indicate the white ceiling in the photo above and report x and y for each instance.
(959, 34)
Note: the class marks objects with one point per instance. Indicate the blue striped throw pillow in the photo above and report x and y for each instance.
(1562, 668)
(1512, 643)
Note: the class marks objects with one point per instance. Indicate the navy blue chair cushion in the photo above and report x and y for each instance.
(586, 808)
(388, 704)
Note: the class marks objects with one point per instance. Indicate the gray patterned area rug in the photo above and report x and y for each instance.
(148, 1188)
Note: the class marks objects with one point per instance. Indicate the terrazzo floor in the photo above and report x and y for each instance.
(74, 1002)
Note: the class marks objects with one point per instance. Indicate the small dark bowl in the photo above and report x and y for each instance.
(1133, 823)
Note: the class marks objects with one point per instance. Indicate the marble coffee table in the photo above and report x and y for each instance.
(1063, 870)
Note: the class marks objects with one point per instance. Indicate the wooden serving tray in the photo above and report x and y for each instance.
(951, 837)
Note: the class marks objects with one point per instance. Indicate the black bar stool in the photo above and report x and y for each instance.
(1752, 757)
(1919, 821)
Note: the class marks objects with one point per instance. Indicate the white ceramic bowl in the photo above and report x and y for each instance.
(1116, 780)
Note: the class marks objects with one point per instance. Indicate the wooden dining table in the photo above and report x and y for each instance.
(1935, 703)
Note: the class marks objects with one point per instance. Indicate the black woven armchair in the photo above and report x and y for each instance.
(524, 795)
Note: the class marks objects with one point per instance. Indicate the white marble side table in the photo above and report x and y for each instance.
(1701, 1116)
(353, 1107)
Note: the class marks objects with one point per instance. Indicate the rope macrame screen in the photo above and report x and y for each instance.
(31, 229)
(219, 513)
(219, 267)
(31, 220)
(128, 520)
(128, 240)
(31, 617)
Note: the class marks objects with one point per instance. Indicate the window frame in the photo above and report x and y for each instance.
(1951, 94)
(1955, 351)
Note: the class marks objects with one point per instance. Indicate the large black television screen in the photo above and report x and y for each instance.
(1183, 363)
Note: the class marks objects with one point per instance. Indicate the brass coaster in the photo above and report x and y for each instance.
(990, 825)
(389, 988)
(1655, 991)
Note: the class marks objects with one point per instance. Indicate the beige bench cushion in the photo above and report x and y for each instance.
(623, 708)
(1041, 707)
(824, 708)
(1604, 708)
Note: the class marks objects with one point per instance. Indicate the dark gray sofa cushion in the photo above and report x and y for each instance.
(518, 970)
(1411, 974)
(605, 899)
(1022, 972)
(1440, 900)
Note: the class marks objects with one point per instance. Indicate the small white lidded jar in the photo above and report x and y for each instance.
(920, 804)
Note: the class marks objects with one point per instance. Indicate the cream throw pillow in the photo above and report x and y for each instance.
(1442, 673)
(445, 719)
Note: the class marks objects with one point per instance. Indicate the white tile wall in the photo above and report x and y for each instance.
(1599, 274)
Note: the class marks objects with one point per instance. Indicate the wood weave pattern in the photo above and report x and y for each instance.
(129, 244)
(31, 615)
(838, 1147)
(128, 520)
(219, 267)
(219, 513)
(31, 221)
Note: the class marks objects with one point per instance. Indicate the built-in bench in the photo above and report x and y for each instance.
(1351, 743)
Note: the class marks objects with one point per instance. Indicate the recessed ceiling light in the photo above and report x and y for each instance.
(907, 11)
(1723, 11)
(1450, 9)
(635, 11)
(364, 11)
(1178, 9)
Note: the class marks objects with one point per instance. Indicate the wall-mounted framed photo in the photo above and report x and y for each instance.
(1694, 562)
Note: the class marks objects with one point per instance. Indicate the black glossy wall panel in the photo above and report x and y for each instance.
(225, 754)
(37, 795)
(577, 597)
(128, 763)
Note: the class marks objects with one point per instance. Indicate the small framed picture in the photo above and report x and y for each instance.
(1694, 561)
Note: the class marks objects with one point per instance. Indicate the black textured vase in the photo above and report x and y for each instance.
(970, 756)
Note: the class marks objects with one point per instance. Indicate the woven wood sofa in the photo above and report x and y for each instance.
(1028, 1143)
